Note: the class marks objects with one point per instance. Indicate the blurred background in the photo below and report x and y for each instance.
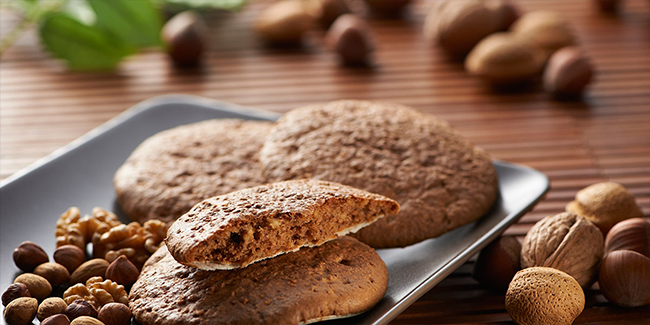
(498, 71)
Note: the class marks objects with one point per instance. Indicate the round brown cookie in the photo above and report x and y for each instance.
(175, 169)
(440, 180)
(340, 278)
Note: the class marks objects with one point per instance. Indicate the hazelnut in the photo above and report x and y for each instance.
(37, 285)
(185, 36)
(567, 242)
(605, 204)
(115, 313)
(498, 262)
(80, 308)
(326, 11)
(122, 271)
(28, 255)
(568, 72)
(51, 306)
(284, 22)
(14, 291)
(55, 273)
(546, 30)
(351, 38)
(543, 295)
(85, 320)
(625, 278)
(459, 25)
(89, 269)
(70, 256)
(58, 319)
(502, 58)
(21, 311)
(632, 234)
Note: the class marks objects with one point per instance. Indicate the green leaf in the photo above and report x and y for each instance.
(82, 47)
(136, 22)
(212, 4)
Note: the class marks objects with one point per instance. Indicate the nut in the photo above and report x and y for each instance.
(115, 314)
(72, 229)
(547, 30)
(155, 232)
(70, 256)
(28, 256)
(605, 204)
(542, 295)
(458, 26)
(137, 257)
(625, 278)
(51, 306)
(632, 234)
(55, 273)
(567, 242)
(85, 320)
(79, 308)
(122, 271)
(284, 22)
(21, 311)
(107, 291)
(58, 319)
(14, 291)
(351, 38)
(37, 285)
(568, 72)
(498, 262)
(502, 58)
(185, 36)
(89, 269)
(79, 291)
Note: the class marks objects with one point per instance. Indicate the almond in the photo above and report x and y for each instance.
(94, 267)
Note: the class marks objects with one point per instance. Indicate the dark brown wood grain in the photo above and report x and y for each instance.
(604, 136)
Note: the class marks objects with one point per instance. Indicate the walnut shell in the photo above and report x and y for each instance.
(567, 242)
(542, 295)
(605, 204)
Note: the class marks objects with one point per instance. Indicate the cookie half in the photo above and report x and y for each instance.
(440, 179)
(340, 278)
(242, 227)
(175, 169)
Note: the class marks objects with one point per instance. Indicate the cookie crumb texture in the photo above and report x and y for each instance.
(340, 278)
(440, 180)
(240, 228)
(170, 172)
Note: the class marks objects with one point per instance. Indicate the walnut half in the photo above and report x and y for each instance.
(566, 242)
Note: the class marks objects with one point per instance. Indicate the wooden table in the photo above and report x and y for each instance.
(606, 136)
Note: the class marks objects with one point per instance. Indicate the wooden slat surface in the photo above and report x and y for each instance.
(604, 137)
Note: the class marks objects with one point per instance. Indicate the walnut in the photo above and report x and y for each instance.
(107, 291)
(156, 231)
(566, 242)
(80, 291)
(72, 229)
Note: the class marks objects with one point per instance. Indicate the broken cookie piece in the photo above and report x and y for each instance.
(242, 227)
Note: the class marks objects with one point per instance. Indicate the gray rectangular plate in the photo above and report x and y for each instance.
(81, 173)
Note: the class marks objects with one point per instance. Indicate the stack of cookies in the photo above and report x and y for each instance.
(220, 264)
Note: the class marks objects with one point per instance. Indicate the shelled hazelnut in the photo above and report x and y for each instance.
(625, 278)
(632, 234)
(122, 271)
(28, 256)
(351, 38)
(14, 291)
(70, 256)
(185, 35)
(115, 313)
(80, 308)
(568, 72)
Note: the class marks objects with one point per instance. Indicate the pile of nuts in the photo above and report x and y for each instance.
(505, 48)
(95, 291)
(602, 237)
